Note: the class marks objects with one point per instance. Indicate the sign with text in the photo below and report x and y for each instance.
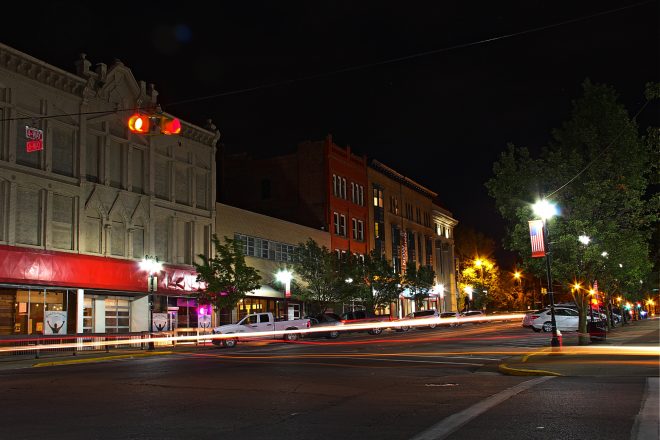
(35, 139)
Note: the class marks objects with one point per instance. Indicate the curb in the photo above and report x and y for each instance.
(99, 359)
(505, 369)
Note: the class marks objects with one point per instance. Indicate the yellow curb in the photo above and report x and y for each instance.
(99, 359)
(529, 355)
(504, 369)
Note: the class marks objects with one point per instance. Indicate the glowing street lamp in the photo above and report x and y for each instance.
(284, 277)
(152, 266)
(584, 239)
(440, 291)
(546, 210)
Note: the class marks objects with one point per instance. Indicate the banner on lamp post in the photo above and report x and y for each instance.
(536, 237)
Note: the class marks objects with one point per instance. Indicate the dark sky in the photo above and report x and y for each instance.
(441, 118)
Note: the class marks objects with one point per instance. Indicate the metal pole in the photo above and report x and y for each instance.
(151, 311)
(555, 338)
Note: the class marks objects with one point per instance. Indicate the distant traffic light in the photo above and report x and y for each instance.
(142, 123)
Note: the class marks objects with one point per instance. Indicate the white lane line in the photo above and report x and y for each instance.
(447, 426)
(647, 422)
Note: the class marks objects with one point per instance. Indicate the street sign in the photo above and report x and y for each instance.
(34, 138)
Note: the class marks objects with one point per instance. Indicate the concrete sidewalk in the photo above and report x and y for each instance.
(632, 349)
(46, 359)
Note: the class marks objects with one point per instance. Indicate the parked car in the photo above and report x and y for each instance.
(325, 320)
(565, 317)
(530, 316)
(421, 314)
(474, 316)
(452, 319)
(362, 317)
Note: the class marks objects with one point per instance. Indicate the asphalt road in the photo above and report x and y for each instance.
(440, 383)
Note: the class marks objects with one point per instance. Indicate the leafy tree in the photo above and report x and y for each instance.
(597, 167)
(419, 281)
(373, 281)
(318, 279)
(227, 277)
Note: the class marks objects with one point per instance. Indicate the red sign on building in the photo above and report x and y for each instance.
(35, 139)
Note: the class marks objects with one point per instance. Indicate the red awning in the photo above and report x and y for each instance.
(49, 268)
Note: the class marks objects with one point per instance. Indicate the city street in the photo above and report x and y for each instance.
(440, 383)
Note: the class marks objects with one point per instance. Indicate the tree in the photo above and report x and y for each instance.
(419, 281)
(373, 281)
(596, 169)
(318, 278)
(227, 277)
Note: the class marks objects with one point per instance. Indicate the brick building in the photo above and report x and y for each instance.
(409, 228)
(321, 185)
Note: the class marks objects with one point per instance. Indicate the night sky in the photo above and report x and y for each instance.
(398, 81)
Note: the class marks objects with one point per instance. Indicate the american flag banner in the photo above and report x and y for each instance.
(536, 235)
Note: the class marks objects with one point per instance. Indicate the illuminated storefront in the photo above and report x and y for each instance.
(46, 292)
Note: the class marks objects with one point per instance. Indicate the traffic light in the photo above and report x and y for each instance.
(142, 123)
(139, 123)
(170, 126)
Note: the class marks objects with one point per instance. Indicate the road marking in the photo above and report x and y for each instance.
(452, 423)
(100, 359)
(647, 424)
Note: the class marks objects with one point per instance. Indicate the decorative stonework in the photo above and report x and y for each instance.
(36, 70)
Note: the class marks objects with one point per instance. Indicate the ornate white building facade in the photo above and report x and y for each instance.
(96, 198)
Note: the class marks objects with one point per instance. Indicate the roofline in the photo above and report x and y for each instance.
(379, 166)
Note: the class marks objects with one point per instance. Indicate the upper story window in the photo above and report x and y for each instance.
(378, 197)
(394, 205)
(342, 225)
(419, 215)
(343, 188)
(335, 185)
(335, 218)
(360, 230)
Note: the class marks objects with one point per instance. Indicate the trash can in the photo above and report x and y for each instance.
(597, 330)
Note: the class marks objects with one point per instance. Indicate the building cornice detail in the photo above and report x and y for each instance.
(389, 172)
(32, 68)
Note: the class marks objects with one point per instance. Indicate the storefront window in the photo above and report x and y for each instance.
(88, 315)
(117, 315)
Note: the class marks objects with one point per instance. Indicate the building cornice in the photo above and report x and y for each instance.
(389, 172)
(24, 65)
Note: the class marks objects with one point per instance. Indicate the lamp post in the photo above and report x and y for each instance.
(152, 266)
(469, 290)
(546, 210)
(440, 288)
(517, 276)
(285, 276)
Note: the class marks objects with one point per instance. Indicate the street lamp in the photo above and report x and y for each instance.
(152, 266)
(285, 276)
(546, 210)
(440, 291)
(518, 277)
(469, 290)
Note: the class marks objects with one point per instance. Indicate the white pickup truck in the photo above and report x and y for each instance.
(259, 322)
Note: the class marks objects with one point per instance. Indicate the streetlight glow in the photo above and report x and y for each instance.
(584, 239)
(284, 276)
(545, 209)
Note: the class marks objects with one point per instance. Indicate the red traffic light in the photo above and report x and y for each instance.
(139, 123)
(170, 126)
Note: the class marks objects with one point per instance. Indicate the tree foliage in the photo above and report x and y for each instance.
(317, 276)
(226, 275)
(419, 282)
(596, 169)
(373, 281)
